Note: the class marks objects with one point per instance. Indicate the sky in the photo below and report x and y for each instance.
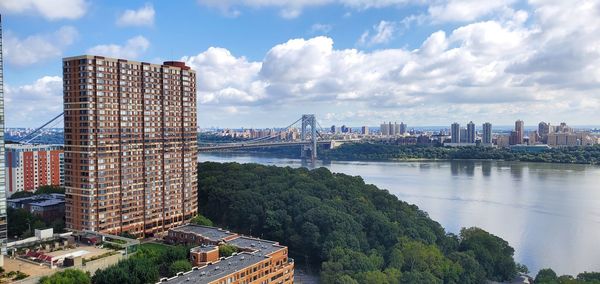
(264, 63)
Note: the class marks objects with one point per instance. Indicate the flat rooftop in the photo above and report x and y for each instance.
(211, 233)
(260, 246)
(50, 202)
(225, 267)
(203, 248)
(54, 197)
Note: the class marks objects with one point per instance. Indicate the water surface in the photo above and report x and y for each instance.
(550, 213)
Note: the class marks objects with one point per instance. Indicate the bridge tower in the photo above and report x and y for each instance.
(308, 120)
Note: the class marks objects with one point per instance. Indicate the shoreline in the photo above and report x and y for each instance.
(271, 155)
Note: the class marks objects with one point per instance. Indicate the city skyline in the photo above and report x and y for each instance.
(425, 62)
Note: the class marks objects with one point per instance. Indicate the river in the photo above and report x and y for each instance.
(550, 213)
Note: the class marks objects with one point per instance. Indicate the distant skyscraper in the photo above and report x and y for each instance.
(384, 129)
(345, 129)
(364, 130)
(543, 131)
(487, 133)
(130, 145)
(455, 132)
(3, 223)
(402, 128)
(470, 132)
(392, 129)
(463, 135)
(543, 128)
(519, 131)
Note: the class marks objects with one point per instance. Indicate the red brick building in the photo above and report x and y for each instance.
(257, 260)
(31, 166)
(130, 145)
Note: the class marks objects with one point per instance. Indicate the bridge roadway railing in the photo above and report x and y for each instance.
(332, 143)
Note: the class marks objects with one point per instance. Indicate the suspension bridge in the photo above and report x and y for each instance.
(311, 136)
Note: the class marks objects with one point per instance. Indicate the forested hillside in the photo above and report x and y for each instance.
(355, 232)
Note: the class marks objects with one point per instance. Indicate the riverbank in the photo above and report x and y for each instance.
(385, 152)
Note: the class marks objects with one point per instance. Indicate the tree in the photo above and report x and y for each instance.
(226, 250)
(522, 268)
(472, 272)
(21, 222)
(67, 276)
(180, 266)
(201, 220)
(567, 279)
(591, 277)
(133, 270)
(127, 234)
(47, 189)
(494, 254)
(21, 194)
(546, 276)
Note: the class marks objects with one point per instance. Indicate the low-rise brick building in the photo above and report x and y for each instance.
(257, 260)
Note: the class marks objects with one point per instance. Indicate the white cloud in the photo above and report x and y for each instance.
(46, 92)
(51, 10)
(37, 48)
(223, 78)
(465, 10)
(520, 64)
(133, 48)
(144, 16)
(383, 33)
(320, 28)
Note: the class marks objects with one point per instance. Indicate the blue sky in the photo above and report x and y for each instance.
(263, 63)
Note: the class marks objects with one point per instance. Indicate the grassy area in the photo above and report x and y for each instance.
(160, 248)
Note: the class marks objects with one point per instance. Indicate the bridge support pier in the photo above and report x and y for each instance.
(308, 120)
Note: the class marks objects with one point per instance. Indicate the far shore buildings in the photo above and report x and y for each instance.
(257, 260)
(130, 145)
(30, 166)
(389, 129)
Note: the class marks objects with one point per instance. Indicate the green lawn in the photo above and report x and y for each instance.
(155, 247)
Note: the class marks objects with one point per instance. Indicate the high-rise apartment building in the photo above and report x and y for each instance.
(486, 137)
(519, 131)
(130, 145)
(471, 132)
(455, 132)
(364, 130)
(31, 166)
(3, 220)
